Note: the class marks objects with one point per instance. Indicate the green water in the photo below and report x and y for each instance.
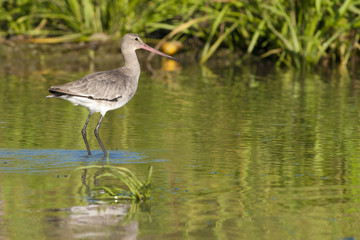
(248, 152)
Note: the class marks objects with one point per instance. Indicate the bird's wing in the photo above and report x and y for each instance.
(107, 85)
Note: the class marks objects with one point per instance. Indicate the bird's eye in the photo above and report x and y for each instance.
(136, 39)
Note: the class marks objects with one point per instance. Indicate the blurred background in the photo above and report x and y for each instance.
(293, 33)
(255, 136)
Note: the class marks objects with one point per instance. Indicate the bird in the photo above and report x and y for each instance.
(106, 90)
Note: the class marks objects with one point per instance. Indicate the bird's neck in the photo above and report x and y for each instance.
(131, 60)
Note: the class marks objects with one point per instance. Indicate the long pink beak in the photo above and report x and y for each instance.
(150, 49)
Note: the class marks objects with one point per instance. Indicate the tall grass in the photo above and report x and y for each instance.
(52, 17)
(307, 31)
(295, 33)
(298, 33)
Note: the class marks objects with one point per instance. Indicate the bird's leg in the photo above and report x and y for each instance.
(97, 134)
(83, 133)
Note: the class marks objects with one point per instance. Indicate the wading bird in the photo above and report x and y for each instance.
(107, 90)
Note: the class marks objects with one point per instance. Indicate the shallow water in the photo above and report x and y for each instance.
(248, 152)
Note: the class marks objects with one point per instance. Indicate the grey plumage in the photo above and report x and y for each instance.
(107, 90)
(107, 85)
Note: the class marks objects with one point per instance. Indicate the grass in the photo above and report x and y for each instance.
(115, 183)
(294, 33)
(306, 32)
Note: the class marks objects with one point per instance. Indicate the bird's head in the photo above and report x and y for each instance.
(133, 42)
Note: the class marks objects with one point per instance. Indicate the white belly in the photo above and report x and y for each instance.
(100, 106)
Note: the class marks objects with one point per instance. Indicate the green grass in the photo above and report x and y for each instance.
(294, 33)
(115, 183)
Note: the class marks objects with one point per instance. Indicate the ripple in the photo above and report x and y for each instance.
(39, 160)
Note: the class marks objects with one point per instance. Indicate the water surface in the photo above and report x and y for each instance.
(238, 152)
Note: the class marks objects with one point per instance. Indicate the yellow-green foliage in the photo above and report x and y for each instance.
(298, 33)
(117, 183)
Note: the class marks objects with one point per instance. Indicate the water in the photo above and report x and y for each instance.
(248, 152)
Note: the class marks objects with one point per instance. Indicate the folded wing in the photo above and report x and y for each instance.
(107, 85)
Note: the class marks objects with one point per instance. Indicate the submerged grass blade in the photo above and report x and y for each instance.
(137, 189)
